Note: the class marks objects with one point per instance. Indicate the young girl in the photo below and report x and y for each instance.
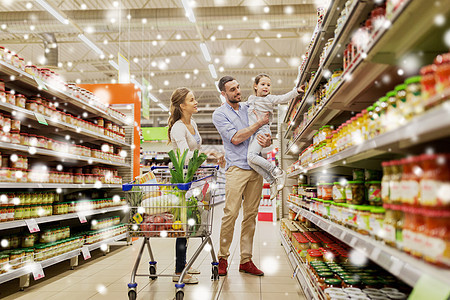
(261, 103)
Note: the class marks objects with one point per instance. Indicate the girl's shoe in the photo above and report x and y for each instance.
(273, 190)
(281, 180)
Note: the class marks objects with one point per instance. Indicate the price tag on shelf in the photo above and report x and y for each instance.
(85, 252)
(429, 288)
(40, 83)
(396, 266)
(32, 225)
(353, 241)
(40, 118)
(82, 217)
(375, 253)
(37, 270)
(342, 236)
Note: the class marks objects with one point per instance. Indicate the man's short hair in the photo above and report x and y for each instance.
(224, 81)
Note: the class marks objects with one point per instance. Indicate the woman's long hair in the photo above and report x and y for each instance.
(178, 97)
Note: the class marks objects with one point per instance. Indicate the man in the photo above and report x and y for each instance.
(243, 185)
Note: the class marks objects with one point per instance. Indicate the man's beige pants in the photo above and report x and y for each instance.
(247, 183)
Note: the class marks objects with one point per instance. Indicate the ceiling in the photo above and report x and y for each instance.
(244, 38)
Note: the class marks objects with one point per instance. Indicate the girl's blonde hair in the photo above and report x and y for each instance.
(257, 79)
(178, 97)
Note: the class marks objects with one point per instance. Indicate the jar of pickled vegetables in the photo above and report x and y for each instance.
(371, 122)
(16, 259)
(327, 191)
(339, 194)
(355, 192)
(376, 219)
(414, 99)
(401, 102)
(29, 255)
(391, 117)
(394, 182)
(374, 193)
(4, 261)
(383, 106)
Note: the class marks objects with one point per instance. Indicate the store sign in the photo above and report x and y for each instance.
(145, 99)
(124, 69)
(41, 84)
(86, 253)
(82, 217)
(40, 118)
(38, 271)
(32, 225)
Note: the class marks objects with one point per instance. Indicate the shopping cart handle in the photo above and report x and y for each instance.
(166, 167)
(181, 186)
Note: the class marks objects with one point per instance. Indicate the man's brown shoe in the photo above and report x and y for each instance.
(249, 267)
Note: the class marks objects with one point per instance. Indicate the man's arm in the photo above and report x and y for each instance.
(244, 134)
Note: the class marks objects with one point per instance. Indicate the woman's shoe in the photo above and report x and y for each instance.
(193, 271)
(188, 279)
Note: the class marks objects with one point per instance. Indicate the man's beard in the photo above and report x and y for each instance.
(234, 101)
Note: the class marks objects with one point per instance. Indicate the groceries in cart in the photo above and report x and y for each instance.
(165, 206)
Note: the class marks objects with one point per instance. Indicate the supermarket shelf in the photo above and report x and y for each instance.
(31, 185)
(46, 263)
(30, 115)
(107, 241)
(407, 28)
(57, 259)
(357, 11)
(26, 81)
(328, 22)
(433, 124)
(400, 264)
(19, 223)
(300, 272)
(61, 155)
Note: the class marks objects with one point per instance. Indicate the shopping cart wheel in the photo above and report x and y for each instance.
(215, 273)
(152, 270)
(132, 295)
(179, 295)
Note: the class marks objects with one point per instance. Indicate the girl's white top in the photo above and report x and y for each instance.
(267, 104)
(182, 139)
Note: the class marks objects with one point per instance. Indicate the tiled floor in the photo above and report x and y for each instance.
(106, 277)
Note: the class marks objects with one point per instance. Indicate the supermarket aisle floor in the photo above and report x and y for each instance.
(106, 277)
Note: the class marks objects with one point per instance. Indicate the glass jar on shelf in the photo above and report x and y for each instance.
(394, 182)
(437, 231)
(339, 194)
(428, 82)
(374, 193)
(442, 63)
(401, 103)
(435, 178)
(389, 226)
(16, 259)
(355, 193)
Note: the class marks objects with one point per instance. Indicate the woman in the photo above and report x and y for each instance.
(183, 134)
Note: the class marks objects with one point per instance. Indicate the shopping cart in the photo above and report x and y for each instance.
(165, 210)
